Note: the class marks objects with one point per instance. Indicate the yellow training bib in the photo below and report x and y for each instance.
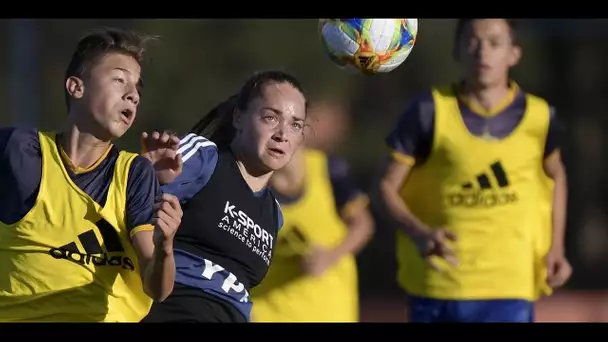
(488, 193)
(69, 259)
(286, 294)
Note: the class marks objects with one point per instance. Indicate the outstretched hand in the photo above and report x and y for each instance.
(162, 150)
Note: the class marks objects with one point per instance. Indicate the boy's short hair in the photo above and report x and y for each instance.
(462, 23)
(97, 44)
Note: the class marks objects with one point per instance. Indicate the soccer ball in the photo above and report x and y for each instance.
(370, 46)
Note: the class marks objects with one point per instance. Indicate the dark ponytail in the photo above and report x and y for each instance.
(217, 124)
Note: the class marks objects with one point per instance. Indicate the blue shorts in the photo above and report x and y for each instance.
(426, 310)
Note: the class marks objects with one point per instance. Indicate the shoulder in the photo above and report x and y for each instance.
(423, 103)
(141, 178)
(279, 212)
(545, 102)
(17, 138)
(414, 129)
(20, 170)
(141, 165)
(192, 145)
(200, 157)
(337, 165)
(552, 112)
(419, 111)
(142, 189)
(19, 145)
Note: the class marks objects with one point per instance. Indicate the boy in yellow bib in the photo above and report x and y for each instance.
(85, 234)
(467, 184)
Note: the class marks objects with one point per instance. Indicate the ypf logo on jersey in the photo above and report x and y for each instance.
(110, 253)
(238, 224)
(489, 190)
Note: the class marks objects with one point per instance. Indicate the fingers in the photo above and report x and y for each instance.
(433, 264)
(170, 222)
(170, 205)
(451, 259)
(160, 223)
(450, 235)
(441, 248)
(550, 270)
(560, 273)
(144, 142)
(172, 202)
(165, 138)
(556, 282)
(179, 162)
(174, 141)
(432, 261)
(148, 140)
(444, 249)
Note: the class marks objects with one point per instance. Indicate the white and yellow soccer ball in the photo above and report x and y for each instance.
(370, 46)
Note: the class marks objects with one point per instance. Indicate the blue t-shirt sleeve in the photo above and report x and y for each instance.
(200, 156)
(20, 172)
(344, 187)
(554, 135)
(413, 134)
(142, 190)
(280, 221)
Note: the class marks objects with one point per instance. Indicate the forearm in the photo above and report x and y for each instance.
(159, 275)
(559, 212)
(360, 230)
(398, 212)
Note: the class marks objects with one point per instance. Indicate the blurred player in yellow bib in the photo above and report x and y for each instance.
(477, 188)
(313, 274)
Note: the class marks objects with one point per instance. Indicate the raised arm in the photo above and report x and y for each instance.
(152, 219)
(199, 156)
(159, 211)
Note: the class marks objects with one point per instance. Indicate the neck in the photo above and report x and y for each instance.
(255, 177)
(290, 179)
(487, 97)
(83, 148)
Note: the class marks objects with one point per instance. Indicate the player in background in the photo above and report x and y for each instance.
(467, 172)
(231, 219)
(313, 276)
(81, 235)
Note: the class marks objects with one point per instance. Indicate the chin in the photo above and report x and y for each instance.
(273, 164)
(117, 131)
(487, 81)
(112, 134)
(115, 134)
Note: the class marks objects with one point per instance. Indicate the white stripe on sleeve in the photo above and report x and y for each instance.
(191, 143)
